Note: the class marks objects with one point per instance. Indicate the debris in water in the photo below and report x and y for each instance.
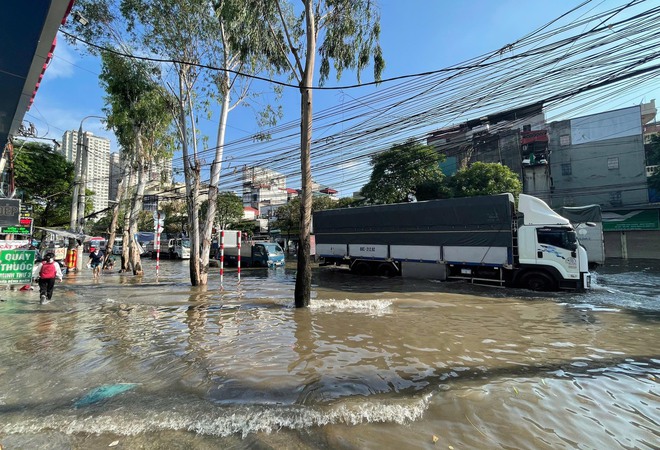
(103, 393)
(435, 438)
(113, 443)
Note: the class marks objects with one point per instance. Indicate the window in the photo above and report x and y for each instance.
(613, 163)
(615, 198)
(566, 169)
(557, 237)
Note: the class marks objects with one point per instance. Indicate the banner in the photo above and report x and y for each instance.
(16, 266)
(9, 211)
(645, 219)
(23, 229)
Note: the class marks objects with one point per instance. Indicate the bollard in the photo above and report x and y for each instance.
(238, 260)
(71, 259)
(222, 258)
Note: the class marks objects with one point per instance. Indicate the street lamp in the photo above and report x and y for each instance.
(79, 188)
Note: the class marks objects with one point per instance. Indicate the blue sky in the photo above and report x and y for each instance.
(417, 36)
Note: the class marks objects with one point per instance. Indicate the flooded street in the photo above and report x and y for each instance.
(374, 363)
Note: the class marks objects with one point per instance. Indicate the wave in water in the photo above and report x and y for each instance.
(223, 421)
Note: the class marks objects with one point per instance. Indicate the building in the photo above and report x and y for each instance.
(596, 159)
(115, 176)
(98, 164)
(263, 189)
(492, 138)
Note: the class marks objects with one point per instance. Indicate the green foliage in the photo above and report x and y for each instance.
(348, 202)
(484, 179)
(229, 209)
(288, 215)
(137, 106)
(45, 180)
(405, 169)
(348, 33)
(176, 216)
(102, 226)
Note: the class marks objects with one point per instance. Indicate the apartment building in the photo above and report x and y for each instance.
(98, 163)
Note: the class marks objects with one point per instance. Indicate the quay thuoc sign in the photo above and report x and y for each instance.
(23, 229)
(10, 209)
(16, 266)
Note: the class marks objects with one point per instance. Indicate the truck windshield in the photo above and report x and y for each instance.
(273, 249)
(558, 237)
(185, 243)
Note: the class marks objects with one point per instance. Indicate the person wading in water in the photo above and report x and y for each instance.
(46, 272)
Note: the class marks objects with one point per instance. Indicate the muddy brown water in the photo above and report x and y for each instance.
(373, 363)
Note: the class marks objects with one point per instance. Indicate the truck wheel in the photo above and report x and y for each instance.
(361, 268)
(387, 270)
(537, 281)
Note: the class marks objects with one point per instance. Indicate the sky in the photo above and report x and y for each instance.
(417, 36)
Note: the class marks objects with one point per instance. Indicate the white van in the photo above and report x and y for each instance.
(178, 248)
(117, 246)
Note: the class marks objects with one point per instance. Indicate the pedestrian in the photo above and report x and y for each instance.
(95, 261)
(46, 272)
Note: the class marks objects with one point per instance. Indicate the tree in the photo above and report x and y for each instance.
(484, 179)
(288, 215)
(345, 32)
(348, 202)
(45, 180)
(403, 170)
(229, 209)
(139, 112)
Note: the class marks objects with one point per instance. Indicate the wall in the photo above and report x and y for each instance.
(606, 167)
(632, 244)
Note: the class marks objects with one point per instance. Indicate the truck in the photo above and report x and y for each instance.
(256, 254)
(484, 240)
(176, 248)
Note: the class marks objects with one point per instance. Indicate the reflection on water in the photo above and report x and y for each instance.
(373, 363)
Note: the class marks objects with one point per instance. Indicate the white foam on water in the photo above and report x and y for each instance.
(222, 421)
(368, 306)
(371, 306)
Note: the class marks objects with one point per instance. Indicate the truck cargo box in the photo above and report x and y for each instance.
(475, 221)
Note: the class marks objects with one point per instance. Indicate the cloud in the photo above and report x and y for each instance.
(62, 64)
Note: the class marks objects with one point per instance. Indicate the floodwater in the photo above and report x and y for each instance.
(374, 363)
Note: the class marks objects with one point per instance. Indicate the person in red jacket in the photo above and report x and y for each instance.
(47, 271)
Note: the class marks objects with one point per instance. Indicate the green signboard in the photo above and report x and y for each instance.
(24, 228)
(641, 219)
(16, 266)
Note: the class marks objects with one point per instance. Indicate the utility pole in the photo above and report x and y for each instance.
(78, 198)
(81, 194)
(73, 225)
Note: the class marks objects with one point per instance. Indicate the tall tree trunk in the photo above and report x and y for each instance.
(113, 223)
(134, 253)
(191, 174)
(302, 293)
(216, 168)
(125, 266)
(193, 228)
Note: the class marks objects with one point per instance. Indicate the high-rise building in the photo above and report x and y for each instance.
(115, 176)
(98, 164)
